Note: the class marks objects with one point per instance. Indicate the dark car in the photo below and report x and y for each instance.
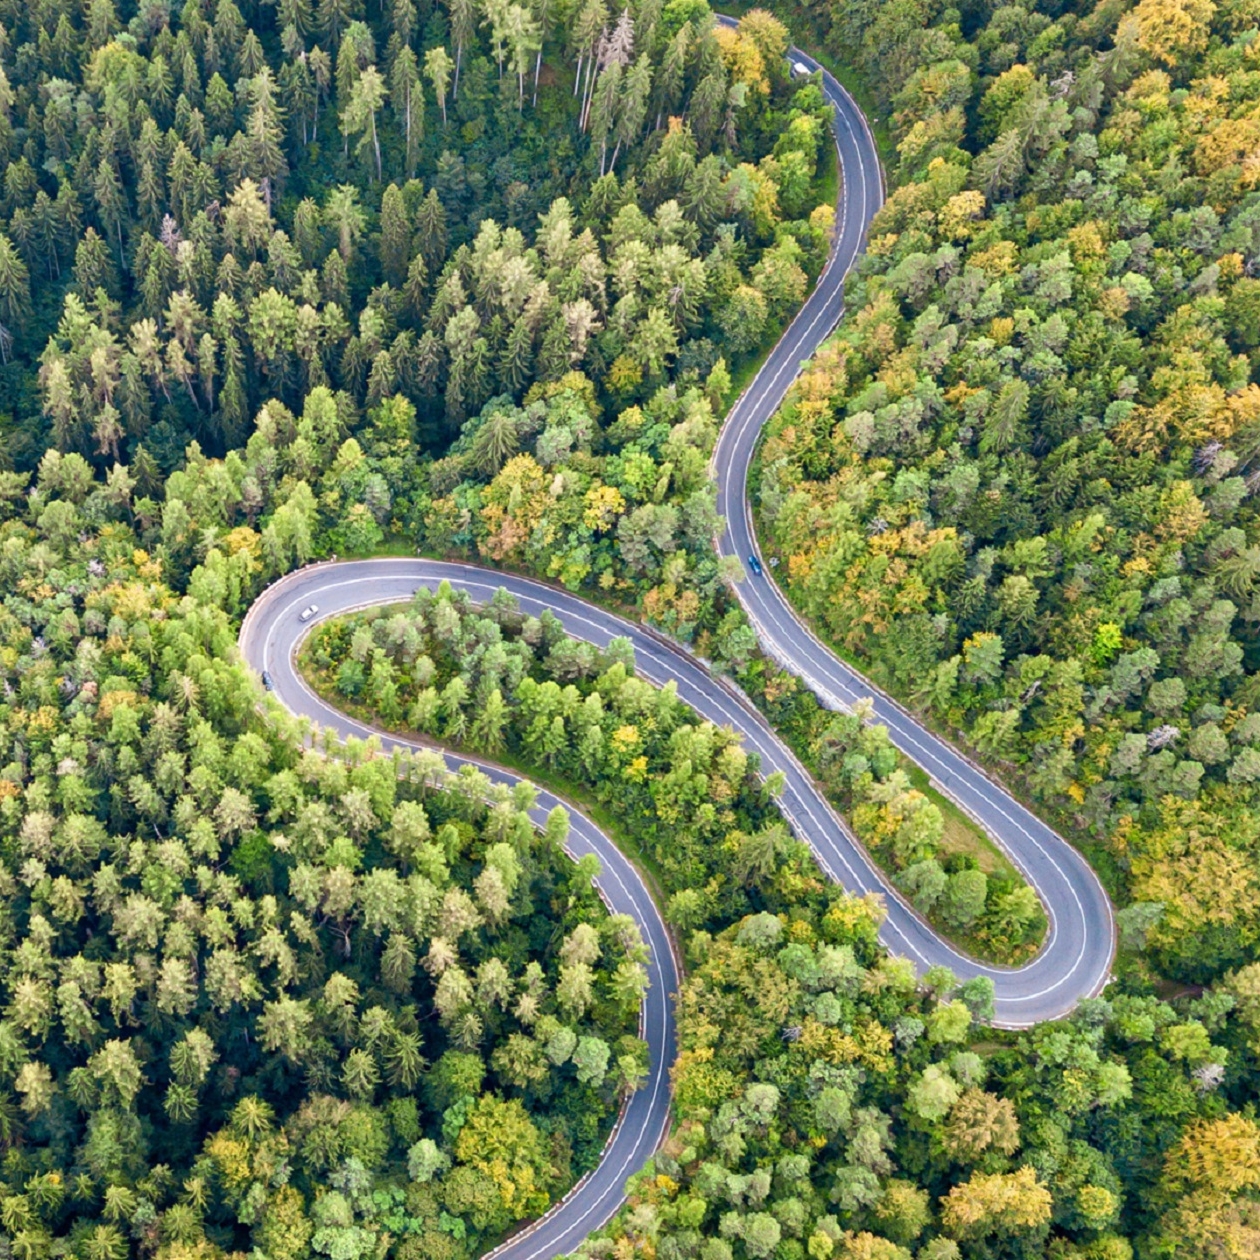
(266, 680)
(755, 565)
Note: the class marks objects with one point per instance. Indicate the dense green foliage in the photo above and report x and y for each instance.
(629, 509)
(829, 1108)
(1019, 483)
(251, 988)
(280, 281)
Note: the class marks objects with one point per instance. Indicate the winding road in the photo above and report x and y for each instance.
(1076, 959)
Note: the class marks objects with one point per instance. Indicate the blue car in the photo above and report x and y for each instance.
(266, 680)
(755, 565)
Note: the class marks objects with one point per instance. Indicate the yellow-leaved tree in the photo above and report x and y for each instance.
(996, 1203)
(1213, 1173)
(1171, 30)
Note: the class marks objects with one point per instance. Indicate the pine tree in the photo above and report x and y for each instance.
(604, 109)
(15, 285)
(496, 19)
(402, 17)
(111, 204)
(359, 115)
(524, 39)
(543, 12)
(407, 92)
(93, 266)
(207, 354)
(438, 67)
(587, 28)
(463, 14)
(395, 238)
(431, 231)
(321, 71)
(633, 105)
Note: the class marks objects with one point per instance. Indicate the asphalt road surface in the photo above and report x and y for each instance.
(1076, 959)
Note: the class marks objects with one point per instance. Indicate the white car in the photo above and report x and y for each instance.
(308, 613)
(800, 70)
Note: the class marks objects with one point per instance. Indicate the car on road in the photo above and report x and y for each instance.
(308, 612)
(800, 70)
(755, 565)
(266, 681)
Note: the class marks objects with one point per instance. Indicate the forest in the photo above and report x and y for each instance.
(234, 212)
(252, 992)
(687, 796)
(282, 281)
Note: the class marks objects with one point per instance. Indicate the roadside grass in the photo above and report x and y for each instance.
(746, 372)
(393, 548)
(961, 835)
(828, 176)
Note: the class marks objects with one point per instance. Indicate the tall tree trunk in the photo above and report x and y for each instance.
(588, 95)
(592, 81)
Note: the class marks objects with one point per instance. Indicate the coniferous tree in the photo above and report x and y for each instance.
(407, 98)
(438, 67)
(395, 229)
